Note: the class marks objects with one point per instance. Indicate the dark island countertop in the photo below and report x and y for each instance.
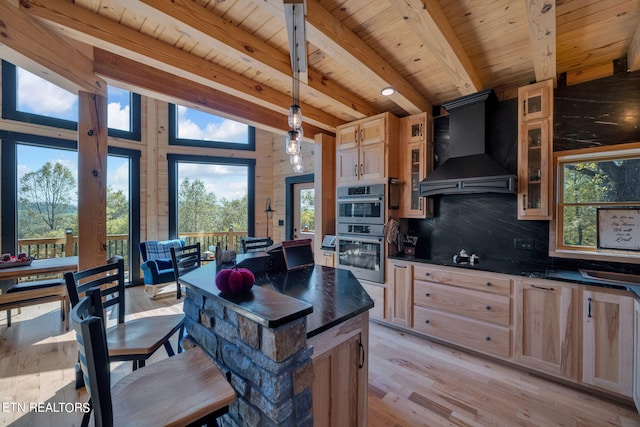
(532, 270)
(327, 296)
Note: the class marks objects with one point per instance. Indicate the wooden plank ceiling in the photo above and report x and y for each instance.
(232, 57)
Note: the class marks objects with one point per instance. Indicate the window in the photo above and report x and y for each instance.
(211, 200)
(29, 98)
(188, 126)
(603, 177)
(40, 198)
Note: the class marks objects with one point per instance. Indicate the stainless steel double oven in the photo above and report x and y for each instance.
(360, 233)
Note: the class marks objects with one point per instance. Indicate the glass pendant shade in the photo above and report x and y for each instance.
(295, 159)
(295, 117)
(299, 168)
(292, 142)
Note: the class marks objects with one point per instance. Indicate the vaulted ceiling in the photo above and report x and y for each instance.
(232, 57)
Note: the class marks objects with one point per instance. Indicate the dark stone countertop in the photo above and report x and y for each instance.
(327, 296)
(533, 270)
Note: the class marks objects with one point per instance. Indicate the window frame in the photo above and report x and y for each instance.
(174, 159)
(556, 230)
(174, 140)
(10, 109)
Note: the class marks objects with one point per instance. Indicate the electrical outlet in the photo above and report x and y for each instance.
(526, 244)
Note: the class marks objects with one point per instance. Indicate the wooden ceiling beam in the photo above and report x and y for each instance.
(167, 87)
(206, 27)
(82, 24)
(328, 34)
(633, 54)
(541, 16)
(427, 20)
(53, 58)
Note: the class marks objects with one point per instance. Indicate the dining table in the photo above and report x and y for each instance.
(36, 294)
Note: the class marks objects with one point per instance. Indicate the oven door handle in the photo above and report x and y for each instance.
(362, 239)
(360, 200)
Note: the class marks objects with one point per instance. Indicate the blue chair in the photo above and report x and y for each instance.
(157, 265)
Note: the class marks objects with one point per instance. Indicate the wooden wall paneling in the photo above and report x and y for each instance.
(161, 205)
(324, 161)
(149, 171)
(264, 181)
(92, 179)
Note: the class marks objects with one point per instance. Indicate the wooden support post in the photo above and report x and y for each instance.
(92, 180)
(68, 244)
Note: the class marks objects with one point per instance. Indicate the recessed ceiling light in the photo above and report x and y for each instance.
(388, 91)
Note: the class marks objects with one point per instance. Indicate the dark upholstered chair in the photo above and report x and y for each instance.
(184, 260)
(135, 339)
(157, 266)
(182, 390)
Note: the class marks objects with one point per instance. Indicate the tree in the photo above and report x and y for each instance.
(47, 192)
(197, 208)
(117, 212)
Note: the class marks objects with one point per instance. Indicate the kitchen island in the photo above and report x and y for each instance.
(294, 348)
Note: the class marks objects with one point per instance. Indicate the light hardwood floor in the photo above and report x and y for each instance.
(412, 382)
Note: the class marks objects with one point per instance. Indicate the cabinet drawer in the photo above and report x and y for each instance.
(466, 302)
(477, 280)
(463, 331)
(378, 295)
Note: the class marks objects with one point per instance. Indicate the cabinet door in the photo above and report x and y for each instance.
(535, 101)
(378, 293)
(400, 293)
(372, 131)
(347, 165)
(546, 329)
(535, 171)
(347, 136)
(415, 129)
(335, 385)
(413, 167)
(372, 161)
(607, 339)
(328, 259)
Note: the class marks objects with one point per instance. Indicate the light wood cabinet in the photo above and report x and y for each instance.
(365, 149)
(340, 374)
(535, 151)
(416, 157)
(607, 341)
(546, 329)
(378, 293)
(400, 293)
(328, 259)
(471, 309)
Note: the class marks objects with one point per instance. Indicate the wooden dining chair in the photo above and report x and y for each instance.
(134, 339)
(187, 389)
(185, 259)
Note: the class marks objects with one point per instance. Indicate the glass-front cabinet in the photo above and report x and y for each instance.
(416, 151)
(535, 152)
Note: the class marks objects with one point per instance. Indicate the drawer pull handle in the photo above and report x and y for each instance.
(427, 274)
(489, 284)
(427, 321)
(487, 339)
(589, 315)
(543, 288)
(427, 294)
(399, 266)
(488, 308)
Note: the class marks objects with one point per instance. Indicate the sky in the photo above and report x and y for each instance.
(36, 95)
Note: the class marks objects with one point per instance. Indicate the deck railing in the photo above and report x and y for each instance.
(117, 244)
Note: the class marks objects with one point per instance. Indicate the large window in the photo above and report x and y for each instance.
(604, 177)
(40, 198)
(211, 200)
(29, 98)
(188, 126)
